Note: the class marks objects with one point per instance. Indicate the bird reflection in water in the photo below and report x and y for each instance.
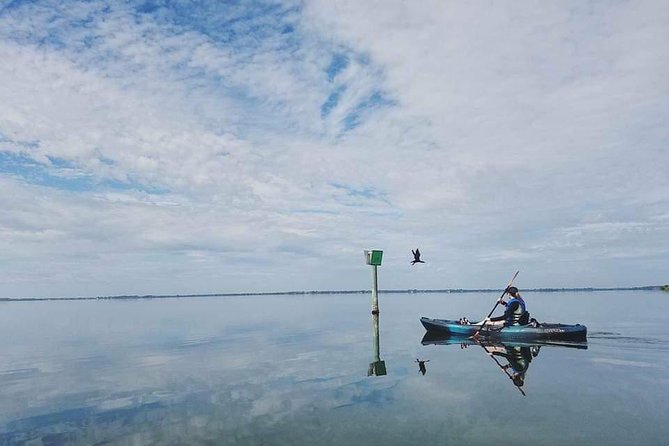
(421, 366)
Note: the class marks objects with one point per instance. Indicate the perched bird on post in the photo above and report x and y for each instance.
(416, 257)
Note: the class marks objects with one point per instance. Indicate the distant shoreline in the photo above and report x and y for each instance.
(297, 293)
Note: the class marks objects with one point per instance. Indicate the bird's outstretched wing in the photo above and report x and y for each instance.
(417, 253)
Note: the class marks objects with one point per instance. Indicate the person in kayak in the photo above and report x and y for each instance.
(515, 314)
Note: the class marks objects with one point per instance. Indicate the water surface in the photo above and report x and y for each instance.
(294, 370)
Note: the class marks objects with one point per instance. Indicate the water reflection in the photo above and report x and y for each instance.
(195, 372)
(378, 366)
(511, 357)
(421, 366)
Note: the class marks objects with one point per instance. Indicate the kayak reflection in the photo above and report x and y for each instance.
(512, 357)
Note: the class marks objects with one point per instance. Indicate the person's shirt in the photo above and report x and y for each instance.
(512, 308)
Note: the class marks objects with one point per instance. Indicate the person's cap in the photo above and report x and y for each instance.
(519, 380)
(512, 290)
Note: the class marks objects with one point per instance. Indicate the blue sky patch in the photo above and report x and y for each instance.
(332, 101)
(314, 211)
(64, 175)
(364, 192)
(33, 172)
(227, 21)
(337, 65)
(61, 163)
(147, 7)
(352, 191)
(374, 101)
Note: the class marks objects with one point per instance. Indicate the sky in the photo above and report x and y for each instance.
(173, 147)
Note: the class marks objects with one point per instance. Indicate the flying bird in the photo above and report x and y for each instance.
(416, 257)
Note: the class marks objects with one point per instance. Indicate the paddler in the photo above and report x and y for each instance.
(515, 313)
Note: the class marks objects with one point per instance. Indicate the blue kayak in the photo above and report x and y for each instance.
(542, 331)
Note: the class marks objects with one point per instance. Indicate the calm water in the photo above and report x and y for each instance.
(293, 370)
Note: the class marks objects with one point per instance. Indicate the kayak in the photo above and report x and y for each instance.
(543, 331)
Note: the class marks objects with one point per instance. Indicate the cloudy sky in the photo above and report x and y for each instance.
(196, 147)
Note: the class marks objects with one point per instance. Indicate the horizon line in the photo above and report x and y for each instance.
(303, 292)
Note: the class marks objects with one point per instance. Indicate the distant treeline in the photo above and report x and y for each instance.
(291, 293)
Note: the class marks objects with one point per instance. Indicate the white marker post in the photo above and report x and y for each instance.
(374, 257)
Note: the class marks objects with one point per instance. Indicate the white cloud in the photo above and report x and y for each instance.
(216, 140)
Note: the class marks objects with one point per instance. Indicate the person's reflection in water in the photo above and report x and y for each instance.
(518, 354)
(518, 359)
(421, 366)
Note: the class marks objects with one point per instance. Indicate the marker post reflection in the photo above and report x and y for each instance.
(378, 367)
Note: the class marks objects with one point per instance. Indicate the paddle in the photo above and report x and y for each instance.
(501, 366)
(496, 303)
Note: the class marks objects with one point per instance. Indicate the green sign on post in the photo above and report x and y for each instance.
(374, 257)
